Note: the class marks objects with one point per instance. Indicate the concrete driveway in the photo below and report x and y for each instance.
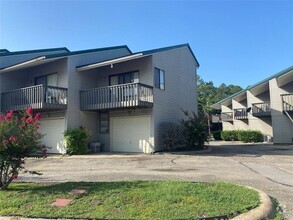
(266, 167)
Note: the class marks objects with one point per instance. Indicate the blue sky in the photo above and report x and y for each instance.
(236, 42)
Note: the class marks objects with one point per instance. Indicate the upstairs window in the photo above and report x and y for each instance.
(123, 78)
(159, 79)
(47, 80)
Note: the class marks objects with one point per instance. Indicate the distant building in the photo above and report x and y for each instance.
(266, 106)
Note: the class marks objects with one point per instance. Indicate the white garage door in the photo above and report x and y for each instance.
(53, 130)
(130, 134)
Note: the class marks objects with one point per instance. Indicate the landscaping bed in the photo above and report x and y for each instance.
(124, 200)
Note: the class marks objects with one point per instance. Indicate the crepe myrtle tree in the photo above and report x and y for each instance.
(19, 138)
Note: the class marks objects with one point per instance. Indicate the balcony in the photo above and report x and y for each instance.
(40, 97)
(117, 97)
(262, 109)
(287, 102)
(227, 116)
(240, 113)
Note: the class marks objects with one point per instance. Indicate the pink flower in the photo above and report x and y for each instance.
(29, 111)
(5, 141)
(14, 176)
(23, 119)
(9, 115)
(13, 139)
(38, 116)
(29, 120)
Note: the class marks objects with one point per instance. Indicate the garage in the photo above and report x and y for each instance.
(130, 134)
(53, 130)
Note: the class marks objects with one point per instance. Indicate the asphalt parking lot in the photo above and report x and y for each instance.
(266, 167)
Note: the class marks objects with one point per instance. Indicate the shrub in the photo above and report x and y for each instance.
(171, 135)
(229, 135)
(250, 136)
(19, 138)
(195, 130)
(242, 135)
(217, 135)
(76, 140)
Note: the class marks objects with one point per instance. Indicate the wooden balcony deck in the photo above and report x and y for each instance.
(240, 114)
(262, 109)
(40, 97)
(287, 102)
(227, 116)
(118, 96)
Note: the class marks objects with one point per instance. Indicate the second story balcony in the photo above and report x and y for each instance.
(240, 113)
(287, 102)
(40, 97)
(262, 109)
(116, 97)
(227, 116)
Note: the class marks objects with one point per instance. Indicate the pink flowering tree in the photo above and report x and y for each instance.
(19, 138)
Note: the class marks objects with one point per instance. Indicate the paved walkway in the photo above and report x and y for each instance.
(266, 167)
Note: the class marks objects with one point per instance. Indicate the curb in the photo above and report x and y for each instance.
(263, 211)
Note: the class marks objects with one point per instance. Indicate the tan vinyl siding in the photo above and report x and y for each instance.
(180, 88)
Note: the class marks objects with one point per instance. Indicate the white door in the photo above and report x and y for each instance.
(53, 130)
(130, 134)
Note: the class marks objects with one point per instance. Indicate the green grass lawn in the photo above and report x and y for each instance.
(136, 199)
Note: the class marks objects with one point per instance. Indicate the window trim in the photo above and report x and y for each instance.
(160, 79)
(100, 124)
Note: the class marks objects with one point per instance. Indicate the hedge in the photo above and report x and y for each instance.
(217, 135)
(242, 135)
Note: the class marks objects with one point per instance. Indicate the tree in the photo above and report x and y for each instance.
(19, 138)
(209, 94)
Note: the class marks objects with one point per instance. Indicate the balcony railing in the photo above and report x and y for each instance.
(118, 96)
(287, 102)
(240, 113)
(227, 116)
(39, 97)
(262, 109)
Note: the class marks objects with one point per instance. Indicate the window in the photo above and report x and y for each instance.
(104, 123)
(159, 78)
(47, 80)
(123, 78)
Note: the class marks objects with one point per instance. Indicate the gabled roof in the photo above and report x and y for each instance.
(146, 52)
(255, 85)
(87, 51)
(49, 57)
(8, 53)
(2, 51)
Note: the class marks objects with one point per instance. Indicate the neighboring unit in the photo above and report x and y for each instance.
(121, 97)
(266, 106)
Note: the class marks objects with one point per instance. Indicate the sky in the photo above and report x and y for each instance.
(237, 42)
